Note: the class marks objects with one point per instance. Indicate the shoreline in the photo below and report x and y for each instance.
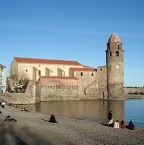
(33, 128)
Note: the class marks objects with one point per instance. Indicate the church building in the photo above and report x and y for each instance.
(71, 78)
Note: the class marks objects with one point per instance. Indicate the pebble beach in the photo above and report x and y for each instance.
(33, 128)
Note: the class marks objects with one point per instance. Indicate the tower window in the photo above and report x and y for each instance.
(118, 47)
(117, 53)
(110, 54)
(92, 74)
(81, 74)
(100, 69)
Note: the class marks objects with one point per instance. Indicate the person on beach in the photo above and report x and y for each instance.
(111, 123)
(24, 109)
(122, 124)
(10, 119)
(3, 104)
(116, 124)
(110, 115)
(131, 126)
(52, 119)
(16, 106)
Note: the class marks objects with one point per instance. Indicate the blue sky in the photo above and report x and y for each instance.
(73, 30)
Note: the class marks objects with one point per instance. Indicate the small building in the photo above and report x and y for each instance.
(2, 78)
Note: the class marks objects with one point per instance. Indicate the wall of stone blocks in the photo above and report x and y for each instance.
(133, 90)
(102, 81)
(59, 93)
(31, 95)
(85, 80)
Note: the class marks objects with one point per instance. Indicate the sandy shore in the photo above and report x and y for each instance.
(33, 129)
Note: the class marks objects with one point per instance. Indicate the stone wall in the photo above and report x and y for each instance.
(59, 93)
(128, 90)
(36, 93)
(102, 81)
(29, 97)
(92, 89)
(85, 79)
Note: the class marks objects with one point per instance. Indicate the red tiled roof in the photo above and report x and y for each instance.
(59, 77)
(87, 66)
(46, 61)
(101, 66)
(83, 69)
(2, 66)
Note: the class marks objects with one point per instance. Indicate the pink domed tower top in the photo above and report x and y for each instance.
(114, 38)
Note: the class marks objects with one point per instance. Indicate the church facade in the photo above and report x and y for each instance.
(64, 78)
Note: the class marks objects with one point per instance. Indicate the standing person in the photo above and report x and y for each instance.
(131, 126)
(3, 104)
(116, 124)
(110, 115)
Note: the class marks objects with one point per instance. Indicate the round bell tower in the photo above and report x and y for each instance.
(115, 68)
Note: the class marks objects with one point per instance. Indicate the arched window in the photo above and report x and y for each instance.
(117, 53)
(118, 47)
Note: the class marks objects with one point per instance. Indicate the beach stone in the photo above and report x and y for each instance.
(33, 128)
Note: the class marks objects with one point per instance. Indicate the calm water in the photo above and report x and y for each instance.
(131, 109)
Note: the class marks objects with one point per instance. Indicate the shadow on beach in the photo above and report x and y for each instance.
(13, 134)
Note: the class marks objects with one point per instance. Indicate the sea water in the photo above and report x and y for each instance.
(131, 109)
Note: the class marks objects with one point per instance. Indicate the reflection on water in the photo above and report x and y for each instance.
(131, 109)
(93, 110)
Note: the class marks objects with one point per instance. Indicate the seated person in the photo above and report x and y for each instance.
(10, 119)
(110, 123)
(122, 124)
(131, 126)
(24, 109)
(16, 106)
(116, 124)
(52, 119)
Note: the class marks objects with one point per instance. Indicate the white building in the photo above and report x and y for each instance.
(2, 78)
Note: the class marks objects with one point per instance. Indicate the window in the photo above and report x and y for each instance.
(26, 70)
(118, 47)
(92, 74)
(81, 74)
(39, 72)
(100, 69)
(117, 53)
(110, 54)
